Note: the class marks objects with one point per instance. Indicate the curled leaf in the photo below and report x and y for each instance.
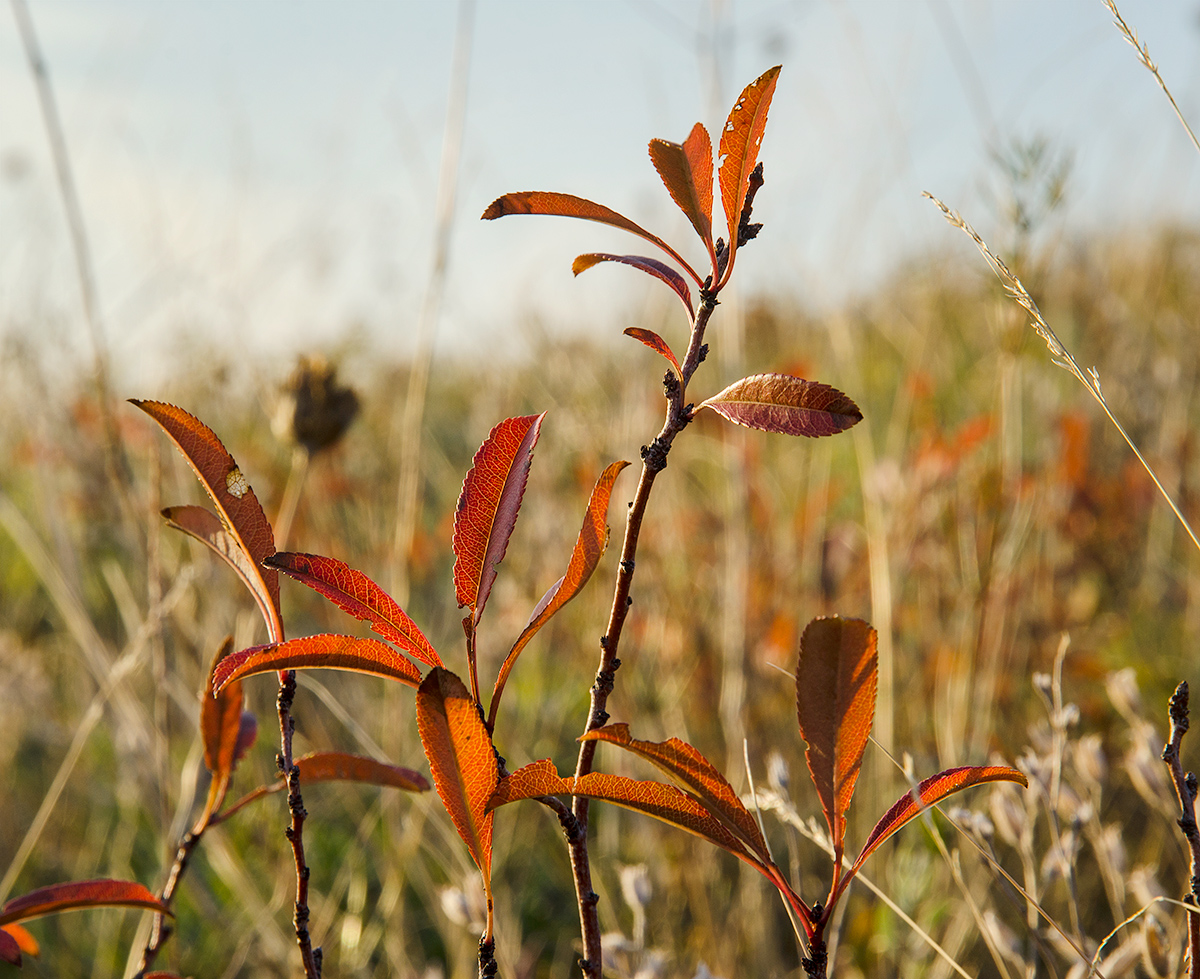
(835, 704)
(353, 592)
(687, 171)
(786, 405)
(650, 266)
(589, 547)
(325, 651)
(221, 729)
(80, 894)
(740, 142)
(338, 766)
(240, 512)
(488, 506)
(657, 343)
(569, 206)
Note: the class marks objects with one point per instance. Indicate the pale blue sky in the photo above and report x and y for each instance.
(264, 172)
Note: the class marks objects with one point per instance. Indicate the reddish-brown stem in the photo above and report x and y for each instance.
(654, 461)
(295, 832)
(1185, 791)
(161, 929)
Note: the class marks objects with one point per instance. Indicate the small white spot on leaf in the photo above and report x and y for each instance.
(236, 483)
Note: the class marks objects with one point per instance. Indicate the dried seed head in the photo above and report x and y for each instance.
(1123, 691)
(1090, 761)
(315, 410)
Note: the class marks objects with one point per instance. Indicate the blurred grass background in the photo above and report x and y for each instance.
(998, 511)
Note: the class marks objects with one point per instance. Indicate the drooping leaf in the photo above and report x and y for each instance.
(221, 728)
(80, 894)
(325, 651)
(656, 343)
(488, 506)
(206, 527)
(697, 776)
(463, 763)
(238, 507)
(931, 791)
(835, 704)
(784, 404)
(589, 547)
(569, 206)
(740, 142)
(651, 266)
(353, 592)
(687, 171)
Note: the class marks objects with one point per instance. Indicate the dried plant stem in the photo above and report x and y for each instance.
(295, 832)
(654, 461)
(1143, 51)
(161, 929)
(1058, 353)
(1185, 791)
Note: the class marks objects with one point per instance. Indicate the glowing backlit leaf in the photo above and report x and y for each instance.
(463, 763)
(687, 171)
(740, 142)
(697, 776)
(220, 727)
(353, 592)
(835, 704)
(786, 405)
(325, 651)
(657, 343)
(488, 506)
(238, 507)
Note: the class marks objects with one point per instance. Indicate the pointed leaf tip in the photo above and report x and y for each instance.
(657, 343)
(650, 266)
(488, 506)
(355, 593)
(785, 405)
(686, 170)
(326, 651)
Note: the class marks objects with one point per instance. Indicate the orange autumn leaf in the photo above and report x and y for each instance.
(650, 266)
(835, 704)
(657, 343)
(353, 592)
(785, 405)
(589, 547)
(740, 142)
(488, 506)
(220, 728)
(463, 763)
(238, 507)
(570, 206)
(324, 651)
(687, 171)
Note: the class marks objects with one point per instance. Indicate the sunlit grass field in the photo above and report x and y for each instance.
(1033, 580)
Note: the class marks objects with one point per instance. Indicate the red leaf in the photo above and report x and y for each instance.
(650, 266)
(589, 546)
(687, 172)
(10, 947)
(463, 763)
(740, 142)
(697, 777)
(239, 509)
(80, 894)
(835, 703)
(221, 728)
(325, 651)
(353, 592)
(488, 506)
(786, 405)
(656, 343)
(932, 791)
(569, 206)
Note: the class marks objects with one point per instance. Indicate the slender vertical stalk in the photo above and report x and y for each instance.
(1185, 791)
(295, 832)
(654, 461)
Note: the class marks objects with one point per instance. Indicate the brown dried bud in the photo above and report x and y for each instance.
(315, 410)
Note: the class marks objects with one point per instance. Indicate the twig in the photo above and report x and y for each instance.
(1185, 791)
(295, 832)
